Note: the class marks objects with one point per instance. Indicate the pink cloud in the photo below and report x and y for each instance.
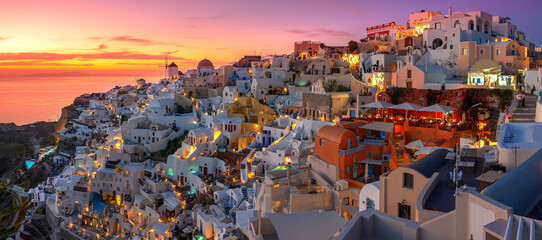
(319, 32)
(79, 56)
(44, 63)
(102, 46)
(132, 39)
(78, 74)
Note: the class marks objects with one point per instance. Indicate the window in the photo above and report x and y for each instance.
(369, 155)
(409, 73)
(355, 159)
(437, 26)
(321, 142)
(403, 211)
(408, 180)
(457, 24)
(498, 52)
(349, 143)
(464, 51)
(347, 169)
(452, 46)
(513, 52)
(481, 51)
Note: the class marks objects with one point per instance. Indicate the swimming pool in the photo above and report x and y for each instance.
(29, 164)
(96, 204)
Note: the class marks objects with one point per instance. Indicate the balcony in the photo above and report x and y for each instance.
(351, 150)
(374, 142)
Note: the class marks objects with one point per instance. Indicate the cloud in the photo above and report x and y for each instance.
(101, 46)
(4, 38)
(131, 39)
(78, 74)
(79, 56)
(204, 19)
(135, 40)
(318, 32)
(43, 63)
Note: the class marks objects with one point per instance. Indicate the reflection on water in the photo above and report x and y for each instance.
(27, 100)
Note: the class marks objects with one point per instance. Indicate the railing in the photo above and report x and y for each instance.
(351, 150)
(374, 142)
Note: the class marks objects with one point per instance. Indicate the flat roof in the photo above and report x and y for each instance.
(490, 176)
(524, 134)
(307, 225)
(379, 126)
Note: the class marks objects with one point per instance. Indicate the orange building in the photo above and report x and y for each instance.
(357, 149)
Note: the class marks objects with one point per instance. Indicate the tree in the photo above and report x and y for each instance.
(352, 46)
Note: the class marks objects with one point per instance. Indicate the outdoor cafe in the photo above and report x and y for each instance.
(415, 115)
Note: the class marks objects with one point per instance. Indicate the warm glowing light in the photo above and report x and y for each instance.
(353, 59)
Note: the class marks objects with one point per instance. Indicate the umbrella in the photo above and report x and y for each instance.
(416, 144)
(437, 108)
(407, 106)
(377, 104)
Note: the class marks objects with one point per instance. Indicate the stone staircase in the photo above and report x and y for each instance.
(399, 147)
(527, 113)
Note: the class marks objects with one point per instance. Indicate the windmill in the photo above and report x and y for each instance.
(165, 64)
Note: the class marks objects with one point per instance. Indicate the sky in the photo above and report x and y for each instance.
(104, 38)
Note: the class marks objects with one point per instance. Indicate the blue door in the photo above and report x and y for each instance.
(352, 113)
(370, 169)
(370, 204)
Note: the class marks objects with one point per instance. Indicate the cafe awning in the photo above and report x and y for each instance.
(437, 108)
(407, 106)
(377, 104)
(379, 126)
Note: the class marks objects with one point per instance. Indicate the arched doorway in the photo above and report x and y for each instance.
(409, 41)
(436, 43)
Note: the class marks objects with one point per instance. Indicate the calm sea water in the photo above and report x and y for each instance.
(27, 100)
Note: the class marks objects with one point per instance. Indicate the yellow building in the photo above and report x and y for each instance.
(256, 116)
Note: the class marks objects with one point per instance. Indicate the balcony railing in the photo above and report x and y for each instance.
(374, 142)
(351, 150)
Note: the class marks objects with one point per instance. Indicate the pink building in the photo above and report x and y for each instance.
(382, 31)
(307, 49)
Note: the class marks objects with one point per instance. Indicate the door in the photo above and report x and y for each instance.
(409, 84)
(355, 170)
(370, 169)
(370, 203)
(205, 171)
(139, 139)
(403, 211)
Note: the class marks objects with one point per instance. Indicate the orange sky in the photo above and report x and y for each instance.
(69, 38)
(118, 38)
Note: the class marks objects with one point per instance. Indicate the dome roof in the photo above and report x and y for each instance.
(205, 63)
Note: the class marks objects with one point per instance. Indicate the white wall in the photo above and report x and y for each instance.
(369, 191)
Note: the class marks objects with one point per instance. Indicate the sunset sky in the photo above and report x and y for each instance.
(104, 38)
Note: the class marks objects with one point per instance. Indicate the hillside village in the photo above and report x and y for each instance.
(425, 130)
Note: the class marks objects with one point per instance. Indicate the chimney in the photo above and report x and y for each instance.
(449, 11)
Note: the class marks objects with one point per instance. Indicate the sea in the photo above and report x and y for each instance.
(28, 100)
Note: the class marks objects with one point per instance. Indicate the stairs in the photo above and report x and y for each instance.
(527, 113)
(399, 148)
(245, 192)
